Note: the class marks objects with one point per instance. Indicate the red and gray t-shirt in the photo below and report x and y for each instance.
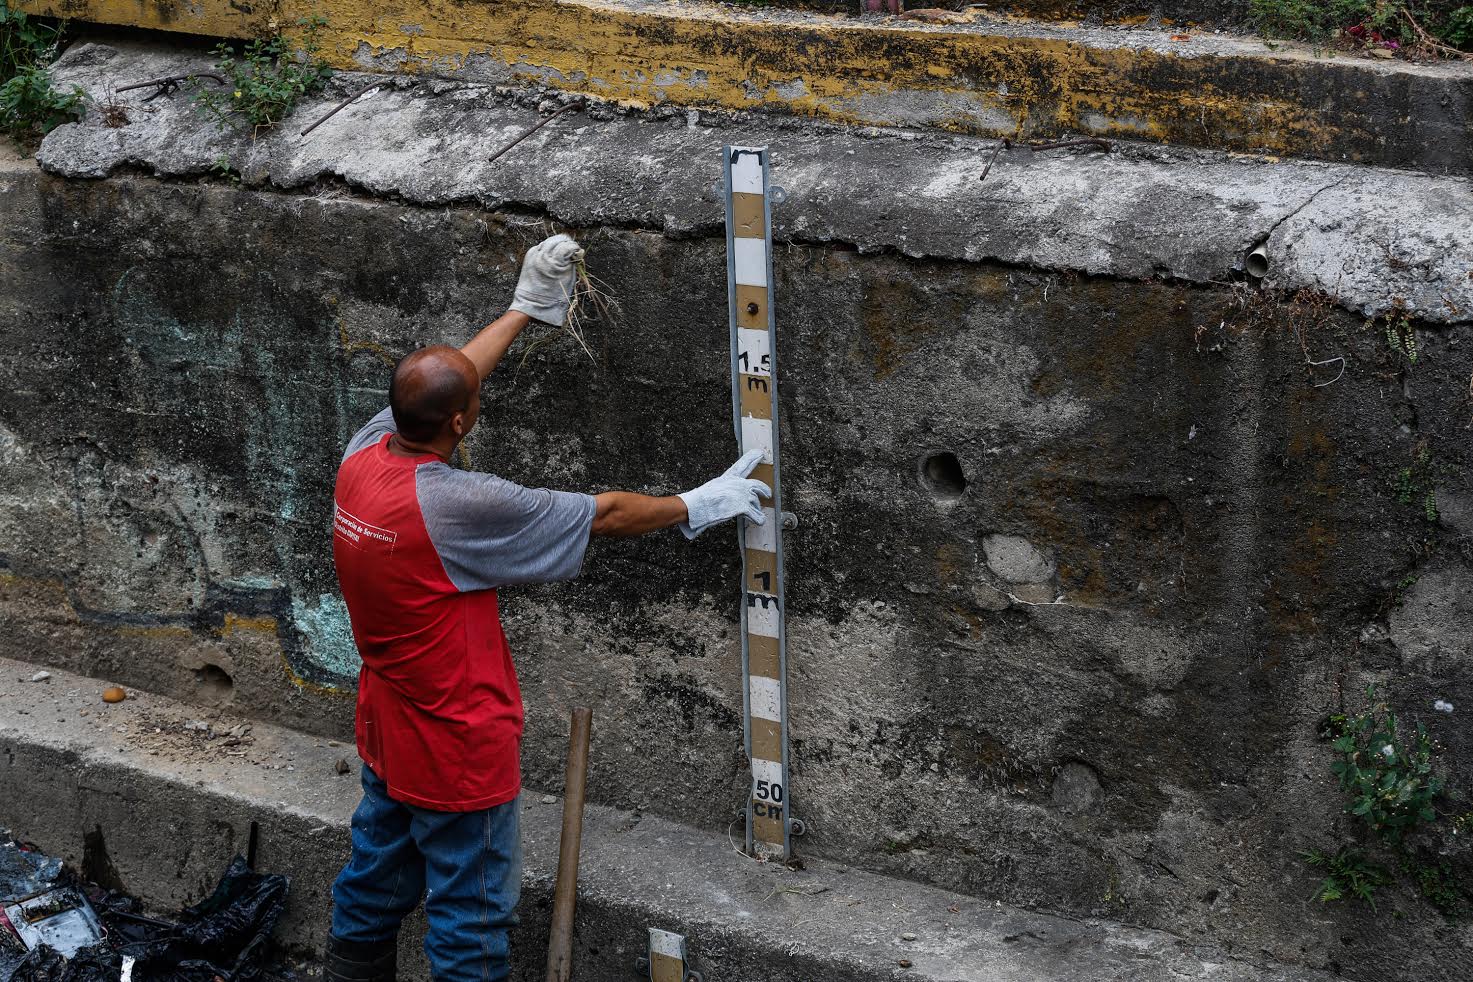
(420, 549)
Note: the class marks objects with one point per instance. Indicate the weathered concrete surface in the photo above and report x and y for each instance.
(1374, 239)
(1220, 528)
(141, 790)
(998, 77)
(1181, 462)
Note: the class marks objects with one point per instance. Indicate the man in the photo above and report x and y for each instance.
(421, 549)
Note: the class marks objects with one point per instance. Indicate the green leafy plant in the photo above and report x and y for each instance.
(266, 78)
(222, 170)
(1459, 29)
(1388, 776)
(29, 103)
(1401, 339)
(1416, 483)
(1385, 27)
(1348, 874)
(1439, 887)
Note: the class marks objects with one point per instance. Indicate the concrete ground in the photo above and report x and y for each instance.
(160, 794)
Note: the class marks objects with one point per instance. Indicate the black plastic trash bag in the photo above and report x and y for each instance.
(227, 936)
(94, 964)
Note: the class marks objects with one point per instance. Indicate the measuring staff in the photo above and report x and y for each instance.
(421, 549)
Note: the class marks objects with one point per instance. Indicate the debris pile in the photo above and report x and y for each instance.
(55, 928)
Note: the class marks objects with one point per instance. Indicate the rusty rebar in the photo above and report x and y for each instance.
(993, 159)
(171, 81)
(565, 891)
(1089, 141)
(344, 104)
(577, 104)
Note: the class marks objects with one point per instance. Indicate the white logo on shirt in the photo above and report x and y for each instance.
(360, 534)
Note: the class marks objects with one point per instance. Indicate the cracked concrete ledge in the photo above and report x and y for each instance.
(1377, 240)
(998, 77)
(172, 802)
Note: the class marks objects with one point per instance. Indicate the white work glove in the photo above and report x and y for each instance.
(732, 495)
(549, 275)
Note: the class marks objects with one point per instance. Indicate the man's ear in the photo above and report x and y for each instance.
(457, 425)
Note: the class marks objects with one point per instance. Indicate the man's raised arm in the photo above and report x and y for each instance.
(544, 290)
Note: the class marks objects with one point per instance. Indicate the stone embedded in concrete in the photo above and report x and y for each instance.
(997, 77)
(1168, 12)
(1375, 240)
(1076, 788)
(1431, 620)
(168, 807)
(1016, 560)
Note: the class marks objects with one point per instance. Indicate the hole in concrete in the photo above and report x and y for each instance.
(214, 682)
(942, 474)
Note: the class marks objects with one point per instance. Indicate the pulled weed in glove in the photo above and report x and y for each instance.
(592, 302)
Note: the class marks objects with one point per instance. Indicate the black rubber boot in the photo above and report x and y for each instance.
(355, 961)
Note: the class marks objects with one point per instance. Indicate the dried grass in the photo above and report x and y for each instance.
(592, 302)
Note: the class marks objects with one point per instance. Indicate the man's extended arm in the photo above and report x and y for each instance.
(729, 496)
(624, 513)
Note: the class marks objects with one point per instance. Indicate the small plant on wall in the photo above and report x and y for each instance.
(267, 78)
(1387, 772)
(29, 103)
(1416, 483)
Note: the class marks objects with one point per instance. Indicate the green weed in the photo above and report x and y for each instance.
(267, 78)
(1401, 338)
(1416, 483)
(1390, 784)
(1387, 775)
(1348, 874)
(1439, 887)
(29, 103)
(1388, 26)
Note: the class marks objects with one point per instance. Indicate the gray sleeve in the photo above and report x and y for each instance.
(373, 430)
(492, 533)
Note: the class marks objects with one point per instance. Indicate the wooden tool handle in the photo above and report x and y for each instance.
(565, 893)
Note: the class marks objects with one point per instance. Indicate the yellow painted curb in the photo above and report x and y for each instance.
(975, 78)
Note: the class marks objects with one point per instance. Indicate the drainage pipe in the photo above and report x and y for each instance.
(1257, 262)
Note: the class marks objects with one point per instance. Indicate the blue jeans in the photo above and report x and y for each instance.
(471, 863)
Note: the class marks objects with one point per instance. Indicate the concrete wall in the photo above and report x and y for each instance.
(1220, 531)
(1093, 532)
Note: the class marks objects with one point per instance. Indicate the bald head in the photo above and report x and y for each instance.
(429, 387)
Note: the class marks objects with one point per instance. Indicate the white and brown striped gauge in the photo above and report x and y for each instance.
(754, 407)
(668, 959)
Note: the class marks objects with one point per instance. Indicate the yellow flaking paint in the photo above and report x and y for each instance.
(956, 77)
(54, 586)
(314, 687)
(235, 623)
